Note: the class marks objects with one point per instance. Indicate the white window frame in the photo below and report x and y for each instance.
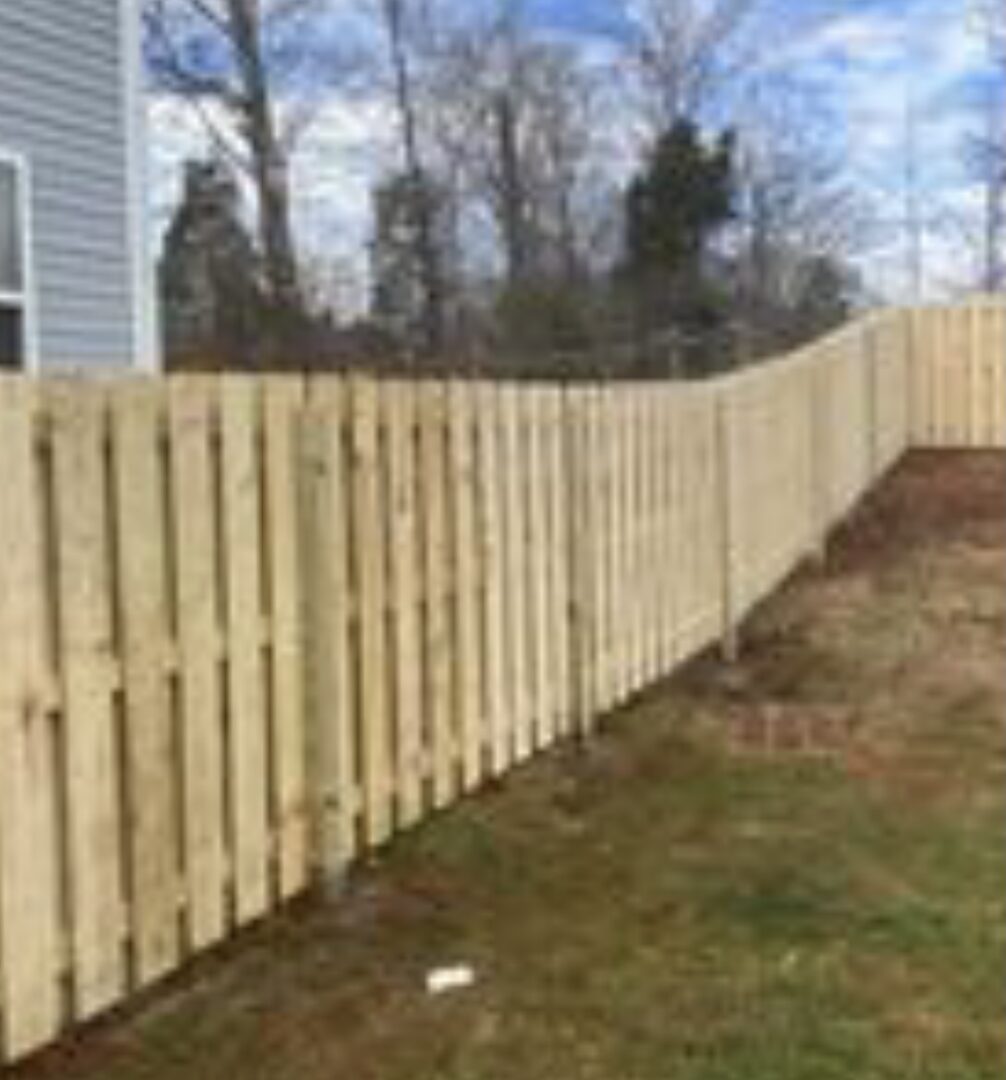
(25, 298)
(146, 315)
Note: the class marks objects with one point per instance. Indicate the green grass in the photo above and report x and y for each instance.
(659, 906)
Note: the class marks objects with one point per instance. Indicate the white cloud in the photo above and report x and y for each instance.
(342, 147)
(894, 76)
(869, 64)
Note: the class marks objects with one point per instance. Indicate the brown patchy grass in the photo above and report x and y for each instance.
(674, 902)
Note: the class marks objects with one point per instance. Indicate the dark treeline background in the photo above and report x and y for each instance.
(671, 203)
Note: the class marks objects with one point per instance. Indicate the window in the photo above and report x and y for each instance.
(14, 291)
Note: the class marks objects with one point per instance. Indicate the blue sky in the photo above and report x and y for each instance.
(864, 61)
(587, 16)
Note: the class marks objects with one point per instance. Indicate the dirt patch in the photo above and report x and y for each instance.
(937, 496)
(780, 728)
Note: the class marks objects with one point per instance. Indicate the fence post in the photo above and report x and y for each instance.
(819, 483)
(873, 354)
(725, 481)
(30, 925)
(576, 416)
(323, 555)
(913, 377)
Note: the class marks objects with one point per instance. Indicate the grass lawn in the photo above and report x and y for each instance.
(790, 870)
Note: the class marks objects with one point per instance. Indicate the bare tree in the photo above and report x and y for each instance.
(685, 52)
(494, 128)
(986, 144)
(406, 29)
(522, 112)
(798, 211)
(235, 62)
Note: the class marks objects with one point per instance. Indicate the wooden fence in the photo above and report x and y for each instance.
(959, 391)
(253, 627)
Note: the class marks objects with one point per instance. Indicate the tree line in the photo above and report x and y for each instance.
(667, 204)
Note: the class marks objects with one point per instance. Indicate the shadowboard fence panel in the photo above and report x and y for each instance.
(252, 627)
(959, 379)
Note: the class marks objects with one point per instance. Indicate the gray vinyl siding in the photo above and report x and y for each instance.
(62, 105)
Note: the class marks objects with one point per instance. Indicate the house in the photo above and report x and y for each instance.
(76, 291)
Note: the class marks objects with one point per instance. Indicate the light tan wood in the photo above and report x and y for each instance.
(559, 498)
(627, 526)
(29, 873)
(284, 405)
(997, 392)
(922, 357)
(990, 351)
(576, 447)
(946, 398)
(138, 412)
(676, 517)
(615, 596)
(594, 481)
(930, 347)
(240, 405)
(679, 512)
(400, 418)
(653, 582)
(731, 510)
(370, 572)
(494, 564)
(606, 565)
(649, 584)
(981, 346)
(665, 530)
(194, 520)
(233, 613)
(467, 659)
(539, 570)
(630, 528)
(332, 674)
(515, 522)
(89, 671)
(441, 732)
(624, 528)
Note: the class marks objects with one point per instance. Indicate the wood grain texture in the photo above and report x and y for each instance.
(138, 413)
(250, 626)
(195, 525)
(468, 655)
(331, 670)
(283, 412)
(494, 566)
(370, 573)
(90, 672)
(247, 735)
(30, 917)
(440, 713)
(406, 588)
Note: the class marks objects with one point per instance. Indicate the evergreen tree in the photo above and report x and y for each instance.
(213, 299)
(673, 209)
(412, 239)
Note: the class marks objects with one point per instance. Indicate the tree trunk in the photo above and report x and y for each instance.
(270, 173)
(512, 197)
(428, 254)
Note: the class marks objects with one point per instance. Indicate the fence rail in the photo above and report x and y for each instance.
(253, 627)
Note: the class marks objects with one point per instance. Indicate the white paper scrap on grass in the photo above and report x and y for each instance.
(445, 979)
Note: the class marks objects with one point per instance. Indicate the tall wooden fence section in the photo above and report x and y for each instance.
(959, 385)
(252, 627)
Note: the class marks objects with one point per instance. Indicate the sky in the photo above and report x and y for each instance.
(901, 75)
(871, 64)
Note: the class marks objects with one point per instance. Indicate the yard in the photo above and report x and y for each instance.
(789, 870)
